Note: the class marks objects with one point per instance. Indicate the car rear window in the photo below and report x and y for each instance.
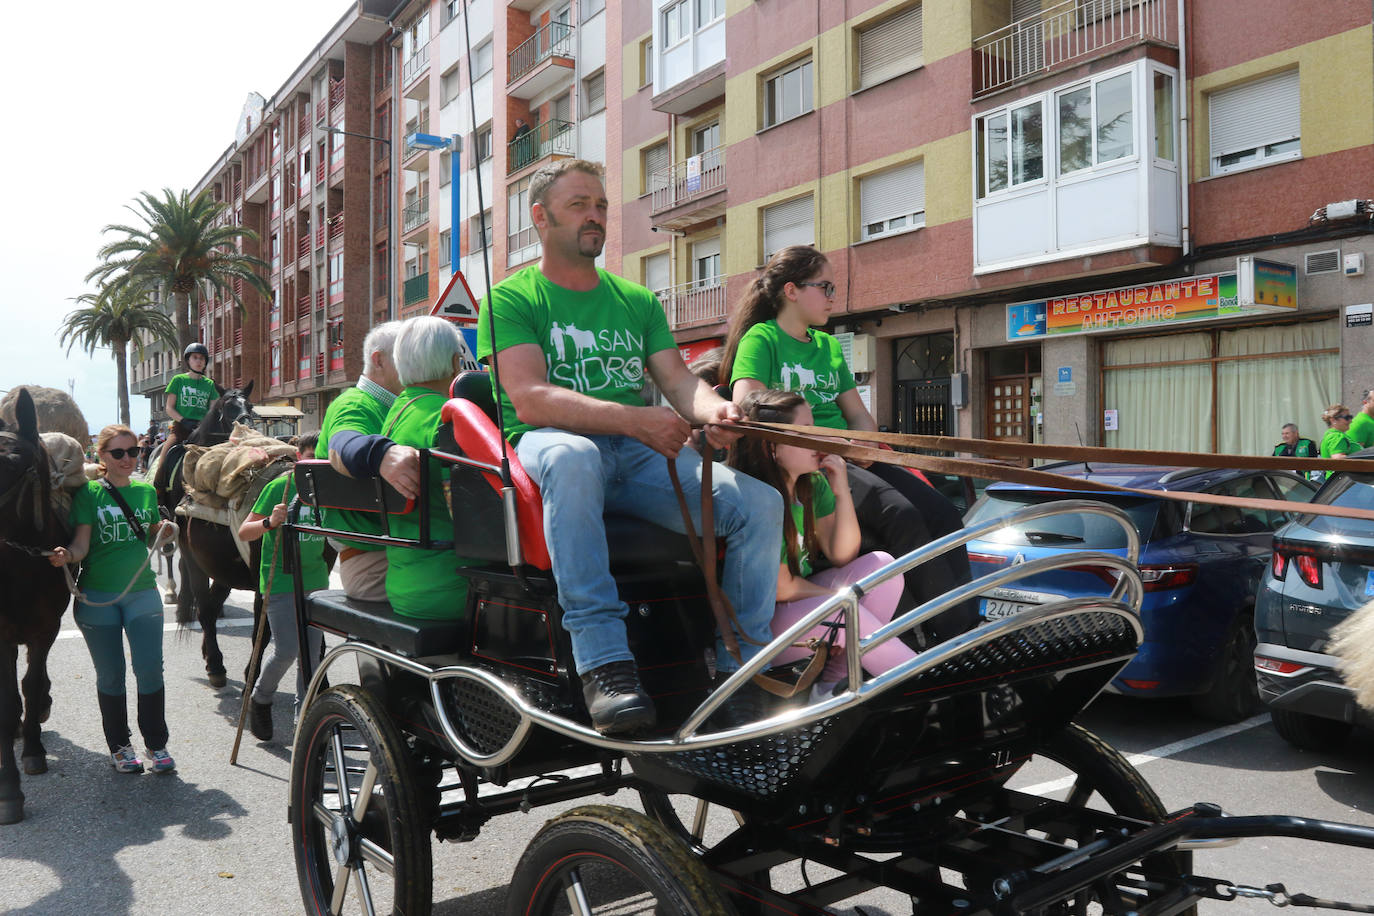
(1353, 491)
(1076, 530)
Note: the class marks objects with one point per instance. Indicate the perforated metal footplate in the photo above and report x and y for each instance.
(763, 767)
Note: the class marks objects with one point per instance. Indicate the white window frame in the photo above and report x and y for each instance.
(680, 13)
(651, 261)
(892, 200)
(589, 8)
(445, 246)
(450, 85)
(788, 211)
(895, 28)
(481, 143)
(481, 62)
(806, 103)
(445, 167)
(651, 152)
(1277, 137)
(475, 232)
(1094, 160)
(983, 149)
(717, 9)
(594, 103)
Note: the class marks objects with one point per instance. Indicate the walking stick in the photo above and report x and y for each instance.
(253, 659)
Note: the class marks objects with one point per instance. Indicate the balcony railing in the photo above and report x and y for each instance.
(303, 246)
(552, 138)
(416, 288)
(319, 300)
(695, 177)
(416, 214)
(336, 92)
(415, 64)
(336, 227)
(552, 40)
(321, 110)
(1063, 33)
(697, 302)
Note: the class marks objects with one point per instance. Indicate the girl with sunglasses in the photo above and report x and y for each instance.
(1336, 441)
(111, 546)
(776, 341)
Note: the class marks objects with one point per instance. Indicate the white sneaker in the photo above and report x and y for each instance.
(124, 760)
(162, 761)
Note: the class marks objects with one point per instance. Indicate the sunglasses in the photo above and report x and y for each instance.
(1345, 416)
(827, 288)
(119, 454)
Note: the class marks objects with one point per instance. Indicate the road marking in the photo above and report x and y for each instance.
(227, 623)
(1159, 753)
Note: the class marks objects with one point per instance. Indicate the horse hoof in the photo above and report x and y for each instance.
(217, 680)
(12, 810)
(35, 765)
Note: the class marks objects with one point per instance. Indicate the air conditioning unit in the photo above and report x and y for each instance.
(1354, 264)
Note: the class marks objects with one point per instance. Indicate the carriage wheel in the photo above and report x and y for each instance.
(1099, 777)
(361, 841)
(687, 817)
(603, 859)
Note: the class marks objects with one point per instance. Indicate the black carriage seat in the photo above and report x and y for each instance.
(471, 425)
(375, 622)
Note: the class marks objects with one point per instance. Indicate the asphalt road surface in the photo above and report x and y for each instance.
(213, 839)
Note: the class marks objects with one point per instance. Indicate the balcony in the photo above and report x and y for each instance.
(321, 110)
(541, 61)
(319, 237)
(336, 228)
(257, 189)
(410, 150)
(690, 191)
(415, 65)
(303, 246)
(415, 215)
(694, 303)
(1062, 34)
(336, 92)
(552, 138)
(415, 289)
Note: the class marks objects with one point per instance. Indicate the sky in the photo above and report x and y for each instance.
(127, 97)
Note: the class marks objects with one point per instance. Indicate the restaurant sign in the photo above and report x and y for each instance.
(1256, 287)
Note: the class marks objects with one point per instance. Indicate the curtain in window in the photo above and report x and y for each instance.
(1260, 395)
(1159, 407)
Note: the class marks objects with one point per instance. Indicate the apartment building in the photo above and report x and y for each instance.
(1080, 221)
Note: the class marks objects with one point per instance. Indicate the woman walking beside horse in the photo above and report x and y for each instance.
(115, 518)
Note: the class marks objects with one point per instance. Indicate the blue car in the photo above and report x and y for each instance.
(1201, 565)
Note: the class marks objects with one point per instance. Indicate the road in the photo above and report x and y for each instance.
(214, 839)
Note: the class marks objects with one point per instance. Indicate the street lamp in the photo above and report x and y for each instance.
(390, 229)
(454, 144)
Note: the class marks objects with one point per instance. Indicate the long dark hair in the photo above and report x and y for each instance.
(763, 300)
(756, 457)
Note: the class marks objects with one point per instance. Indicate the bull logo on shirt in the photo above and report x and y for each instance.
(112, 527)
(804, 380)
(194, 398)
(589, 361)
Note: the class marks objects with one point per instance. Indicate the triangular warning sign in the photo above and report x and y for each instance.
(457, 303)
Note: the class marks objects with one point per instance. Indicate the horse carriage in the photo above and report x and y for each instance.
(899, 781)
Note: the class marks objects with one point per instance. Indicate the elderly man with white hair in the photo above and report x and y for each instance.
(424, 583)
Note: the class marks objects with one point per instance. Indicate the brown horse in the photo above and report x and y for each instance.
(35, 598)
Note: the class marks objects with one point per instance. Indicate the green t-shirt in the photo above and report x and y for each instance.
(423, 583)
(194, 396)
(1362, 429)
(358, 411)
(822, 504)
(116, 551)
(1335, 442)
(314, 572)
(814, 369)
(596, 342)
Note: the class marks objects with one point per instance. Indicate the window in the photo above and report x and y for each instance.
(445, 167)
(893, 201)
(646, 62)
(1096, 123)
(336, 345)
(706, 263)
(656, 165)
(1010, 148)
(1255, 123)
(276, 363)
(481, 60)
(336, 275)
(890, 47)
(303, 354)
(480, 230)
(590, 8)
(787, 94)
(276, 252)
(518, 221)
(708, 11)
(676, 22)
(1164, 115)
(449, 86)
(594, 91)
(415, 37)
(789, 223)
(657, 272)
(445, 243)
(452, 10)
(481, 146)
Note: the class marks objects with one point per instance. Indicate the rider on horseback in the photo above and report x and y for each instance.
(190, 393)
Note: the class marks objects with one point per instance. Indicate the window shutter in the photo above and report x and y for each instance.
(596, 92)
(655, 161)
(895, 192)
(656, 272)
(890, 47)
(1256, 114)
(789, 223)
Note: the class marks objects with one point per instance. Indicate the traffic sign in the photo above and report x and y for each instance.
(457, 303)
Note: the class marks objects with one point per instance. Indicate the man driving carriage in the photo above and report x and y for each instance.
(574, 343)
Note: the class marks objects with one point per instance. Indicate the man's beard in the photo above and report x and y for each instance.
(586, 248)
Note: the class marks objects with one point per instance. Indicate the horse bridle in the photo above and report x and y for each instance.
(28, 482)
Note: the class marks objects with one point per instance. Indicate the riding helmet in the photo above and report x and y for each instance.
(196, 347)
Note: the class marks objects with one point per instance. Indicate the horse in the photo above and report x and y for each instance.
(210, 563)
(36, 598)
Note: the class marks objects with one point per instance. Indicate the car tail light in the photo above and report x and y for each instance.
(1277, 666)
(1141, 685)
(1105, 573)
(1163, 578)
(1310, 570)
(989, 558)
(1280, 564)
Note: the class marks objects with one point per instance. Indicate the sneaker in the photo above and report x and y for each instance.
(162, 761)
(615, 698)
(260, 720)
(125, 760)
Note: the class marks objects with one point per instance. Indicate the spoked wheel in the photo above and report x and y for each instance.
(361, 841)
(1085, 772)
(695, 821)
(602, 859)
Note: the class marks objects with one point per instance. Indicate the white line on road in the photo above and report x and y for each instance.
(226, 623)
(1158, 753)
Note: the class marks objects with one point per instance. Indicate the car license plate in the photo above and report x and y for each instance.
(994, 609)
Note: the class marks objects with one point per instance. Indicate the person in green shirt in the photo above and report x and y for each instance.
(775, 341)
(427, 584)
(119, 598)
(1297, 446)
(1362, 426)
(1336, 442)
(278, 590)
(190, 394)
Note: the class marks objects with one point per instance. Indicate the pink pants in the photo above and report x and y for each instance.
(875, 609)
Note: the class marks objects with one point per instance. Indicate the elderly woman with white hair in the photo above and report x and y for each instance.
(424, 583)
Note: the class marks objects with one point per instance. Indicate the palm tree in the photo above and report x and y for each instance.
(183, 247)
(115, 317)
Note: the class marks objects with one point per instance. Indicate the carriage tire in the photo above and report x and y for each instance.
(393, 832)
(621, 843)
(1102, 768)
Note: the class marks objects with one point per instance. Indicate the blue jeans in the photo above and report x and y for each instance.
(137, 615)
(583, 477)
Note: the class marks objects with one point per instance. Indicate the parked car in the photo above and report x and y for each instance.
(1321, 569)
(1201, 565)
